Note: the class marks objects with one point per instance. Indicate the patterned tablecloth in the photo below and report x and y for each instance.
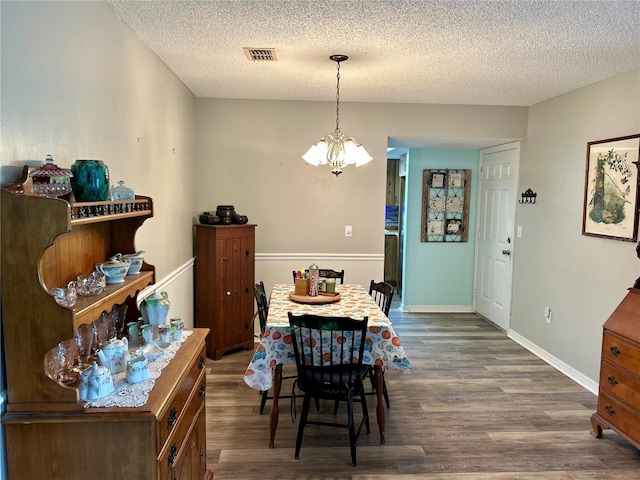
(276, 347)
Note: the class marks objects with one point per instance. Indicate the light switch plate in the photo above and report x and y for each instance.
(348, 231)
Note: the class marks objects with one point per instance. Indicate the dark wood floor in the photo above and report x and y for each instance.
(477, 406)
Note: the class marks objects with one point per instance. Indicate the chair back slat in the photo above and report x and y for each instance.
(328, 351)
(382, 294)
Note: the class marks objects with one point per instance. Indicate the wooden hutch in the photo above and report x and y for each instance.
(50, 433)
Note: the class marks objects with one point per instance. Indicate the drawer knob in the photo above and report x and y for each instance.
(228, 294)
(201, 362)
(612, 380)
(202, 390)
(614, 351)
(172, 418)
(609, 409)
(172, 454)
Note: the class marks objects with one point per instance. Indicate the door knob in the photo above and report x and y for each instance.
(506, 252)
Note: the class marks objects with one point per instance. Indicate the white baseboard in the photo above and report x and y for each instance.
(437, 308)
(559, 365)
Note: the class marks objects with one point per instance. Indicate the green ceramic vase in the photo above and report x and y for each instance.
(90, 181)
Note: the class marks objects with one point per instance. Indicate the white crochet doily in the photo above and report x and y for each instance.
(127, 394)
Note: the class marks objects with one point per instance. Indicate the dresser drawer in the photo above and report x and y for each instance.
(174, 448)
(619, 382)
(619, 414)
(172, 414)
(621, 352)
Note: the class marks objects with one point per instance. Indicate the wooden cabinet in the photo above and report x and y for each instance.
(46, 243)
(391, 258)
(225, 270)
(393, 180)
(619, 391)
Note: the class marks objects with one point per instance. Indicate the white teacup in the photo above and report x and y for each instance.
(137, 369)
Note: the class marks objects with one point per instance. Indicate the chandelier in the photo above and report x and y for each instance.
(336, 149)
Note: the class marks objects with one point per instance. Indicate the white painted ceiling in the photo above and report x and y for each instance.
(517, 52)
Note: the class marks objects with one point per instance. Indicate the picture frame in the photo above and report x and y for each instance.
(445, 205)
(610, 207)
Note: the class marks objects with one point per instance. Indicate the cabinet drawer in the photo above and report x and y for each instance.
(620, 383)
(172, 414)
(621, 352)
(178, 442)
(626, 419)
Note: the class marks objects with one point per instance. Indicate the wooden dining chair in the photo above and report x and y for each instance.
(382, 294)
(329, 352)
(326, 273)
(263, 313)
(262, 304)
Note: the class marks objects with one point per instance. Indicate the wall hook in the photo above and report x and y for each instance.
(528, 196)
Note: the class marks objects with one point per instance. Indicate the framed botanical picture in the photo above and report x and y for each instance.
(611, 189)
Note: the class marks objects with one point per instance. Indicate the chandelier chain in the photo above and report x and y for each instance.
(338, 99)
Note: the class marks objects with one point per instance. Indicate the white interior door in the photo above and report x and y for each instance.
(494, 242)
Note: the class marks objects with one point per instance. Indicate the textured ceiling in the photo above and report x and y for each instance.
(401, 51)
(517, 52)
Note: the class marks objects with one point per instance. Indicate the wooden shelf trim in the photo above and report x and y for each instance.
(93, 212)
(87, 309)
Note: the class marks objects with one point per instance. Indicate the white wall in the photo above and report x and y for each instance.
(77, 83)
(581, 278)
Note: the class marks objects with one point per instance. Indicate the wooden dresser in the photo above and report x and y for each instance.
(619, 392)
(225, 271)
(49, 432)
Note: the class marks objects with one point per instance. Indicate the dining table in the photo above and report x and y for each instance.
(276, 349)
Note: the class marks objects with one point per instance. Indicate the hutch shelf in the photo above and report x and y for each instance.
(47, 242)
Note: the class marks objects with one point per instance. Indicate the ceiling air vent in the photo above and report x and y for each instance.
(261, 54)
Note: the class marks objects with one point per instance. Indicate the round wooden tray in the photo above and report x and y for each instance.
(314, 300)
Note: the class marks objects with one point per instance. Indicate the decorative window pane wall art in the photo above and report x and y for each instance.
(611, 189)
(445, 205)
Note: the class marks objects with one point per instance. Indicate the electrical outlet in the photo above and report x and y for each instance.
(519, 234)
(348, 231)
